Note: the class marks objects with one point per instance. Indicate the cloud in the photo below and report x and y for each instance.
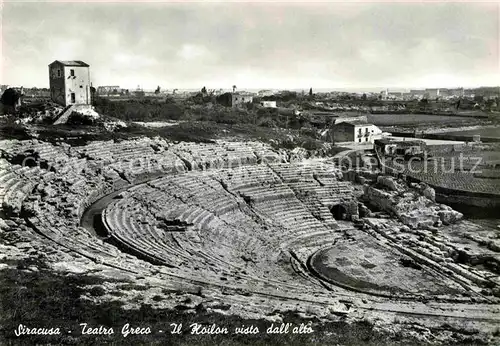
(193, 52)
(253, 44)
(132, 61)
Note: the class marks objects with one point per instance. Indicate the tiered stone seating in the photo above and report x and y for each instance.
(130, 151)
(258, 194)
(251, 228)
(264, 153)
(70, 236)
(247, 177)
(97, 151)
(63, 231)
(209, 156)
(155, 244)
(232, 240)
(133, 237)
(15, 185)
(7, 180)
(296, 172)
(199, 190)
(290, 214)
(317, 186)
(15, 195)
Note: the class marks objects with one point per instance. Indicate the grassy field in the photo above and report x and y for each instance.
(418, 119)
(483, 132)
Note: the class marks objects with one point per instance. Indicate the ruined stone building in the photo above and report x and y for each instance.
(391, 147)
(70, 82)
(431, 93)
(239, 99)
(268, 104)
(108, 89)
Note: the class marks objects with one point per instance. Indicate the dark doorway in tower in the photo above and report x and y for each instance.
(339, 212)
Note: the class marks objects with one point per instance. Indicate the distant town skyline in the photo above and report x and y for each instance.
(373, 90)
(330, 46)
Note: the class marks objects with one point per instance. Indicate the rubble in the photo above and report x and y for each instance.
(415, 206)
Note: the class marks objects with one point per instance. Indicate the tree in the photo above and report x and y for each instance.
(311, 92)
(224, 99)
(234, 88)
(478, 98)
(10, 97)
(157, 91)
(424, 102)
(92, 94)
(363, 97)
(204, 91)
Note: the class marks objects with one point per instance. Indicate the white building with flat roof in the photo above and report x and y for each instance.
(268, 104)
(356, 132)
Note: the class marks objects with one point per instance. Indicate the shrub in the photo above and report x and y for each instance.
(311, 144)
(79, 119)
(140, 109)
(97, 291)
(11, 130)
(266, 122)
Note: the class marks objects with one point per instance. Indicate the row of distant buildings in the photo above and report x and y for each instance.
(440, 93)
(70, 84)
(431, 93)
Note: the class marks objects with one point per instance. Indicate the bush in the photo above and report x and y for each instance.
(10, 97)
(224, 99)
(311, 144)
(232, 116)
(79, 119)
(97, 291)
(140, 110)
(11, 130)
(266, 122)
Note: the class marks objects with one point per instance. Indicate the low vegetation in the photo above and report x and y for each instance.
(34, 295)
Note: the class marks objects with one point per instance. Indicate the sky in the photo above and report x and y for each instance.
(255, 45)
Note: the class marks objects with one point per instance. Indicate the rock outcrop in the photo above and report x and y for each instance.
(415, 206)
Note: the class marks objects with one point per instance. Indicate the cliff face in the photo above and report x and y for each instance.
(415, 206)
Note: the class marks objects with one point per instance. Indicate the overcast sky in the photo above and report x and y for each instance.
(255, 45)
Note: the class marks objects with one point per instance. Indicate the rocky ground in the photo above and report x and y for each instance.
(234, 233)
